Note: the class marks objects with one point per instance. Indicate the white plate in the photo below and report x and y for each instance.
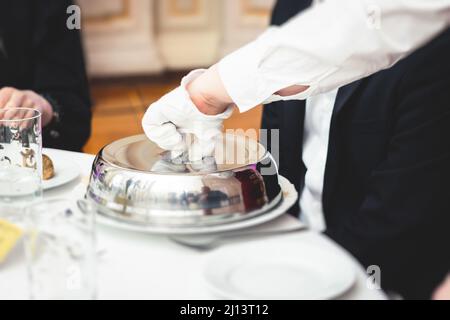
(285, 269)
(65, 170)
(289, 198)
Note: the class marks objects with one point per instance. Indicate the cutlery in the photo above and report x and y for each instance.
(209, 242)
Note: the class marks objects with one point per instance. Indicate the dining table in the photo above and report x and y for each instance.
(137, 265)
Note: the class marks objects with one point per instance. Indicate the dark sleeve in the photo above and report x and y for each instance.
(286, 9)
(403, 223)
(270, 121)
(60, 76)
(270, 116)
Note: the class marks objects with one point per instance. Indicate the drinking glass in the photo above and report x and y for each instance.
(60, 250)
(20, 157)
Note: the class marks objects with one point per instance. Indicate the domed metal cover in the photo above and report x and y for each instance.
(135, 181)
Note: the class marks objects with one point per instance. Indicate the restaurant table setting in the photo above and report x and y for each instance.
(137, 222)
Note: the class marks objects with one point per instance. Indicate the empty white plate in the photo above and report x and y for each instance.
(285, 269)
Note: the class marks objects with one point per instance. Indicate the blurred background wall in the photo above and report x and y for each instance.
(137, 50)
(141, 37)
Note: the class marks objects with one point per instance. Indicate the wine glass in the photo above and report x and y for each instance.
(20, 155)
(60, 249)
(20, 161)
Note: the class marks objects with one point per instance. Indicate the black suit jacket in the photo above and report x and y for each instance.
(386, 194)
(38, 52)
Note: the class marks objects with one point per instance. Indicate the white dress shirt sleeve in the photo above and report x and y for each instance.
(333, 43)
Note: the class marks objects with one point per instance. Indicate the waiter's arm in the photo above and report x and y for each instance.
(325, 47)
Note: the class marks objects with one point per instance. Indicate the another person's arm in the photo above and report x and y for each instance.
(56, 81)
(60, 76)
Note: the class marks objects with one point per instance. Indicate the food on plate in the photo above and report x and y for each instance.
(49, 169)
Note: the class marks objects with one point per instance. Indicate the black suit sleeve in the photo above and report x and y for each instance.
(286, 9)
(405, 213)
(59, 75)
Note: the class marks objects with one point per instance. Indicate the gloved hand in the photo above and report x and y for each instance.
(166, 120)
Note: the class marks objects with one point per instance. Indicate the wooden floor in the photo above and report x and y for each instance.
(120, 105)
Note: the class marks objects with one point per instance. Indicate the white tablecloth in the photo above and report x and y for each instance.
(143, 266)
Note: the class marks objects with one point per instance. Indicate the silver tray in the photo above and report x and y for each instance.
(134, 181)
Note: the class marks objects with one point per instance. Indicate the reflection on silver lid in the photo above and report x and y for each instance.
(139, 153)
(136, 182)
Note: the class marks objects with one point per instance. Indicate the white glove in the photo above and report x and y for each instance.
(167, 119)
